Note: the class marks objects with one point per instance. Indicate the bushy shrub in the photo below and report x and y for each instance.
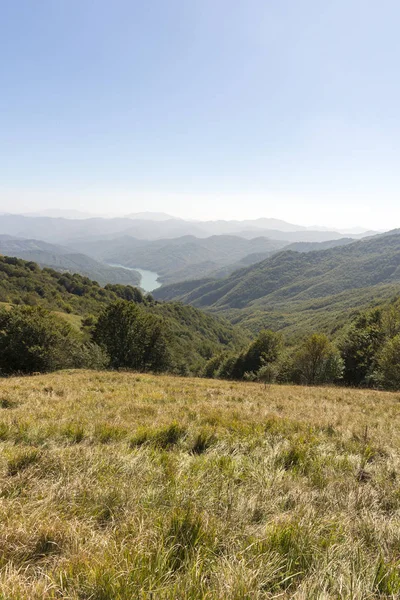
(317, 361)
(33, 339)
(132, 338)
(265, 349)
(212, 366)
(90, 356)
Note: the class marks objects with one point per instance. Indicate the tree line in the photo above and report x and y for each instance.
(33, 339)
(126, 336)
(367, 354)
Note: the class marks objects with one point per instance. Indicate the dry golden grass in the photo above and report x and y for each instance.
(119, 486)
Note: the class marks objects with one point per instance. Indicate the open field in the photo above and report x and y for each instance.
(119, 486)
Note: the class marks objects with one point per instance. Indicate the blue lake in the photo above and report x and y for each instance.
(149, 279)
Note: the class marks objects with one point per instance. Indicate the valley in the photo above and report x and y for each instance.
(255, 281)
(61, 258)
(199, 300)
(175, 249)
(301, 290)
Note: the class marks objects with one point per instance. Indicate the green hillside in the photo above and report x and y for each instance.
(292, 289)
(194, 335)
(255, 257)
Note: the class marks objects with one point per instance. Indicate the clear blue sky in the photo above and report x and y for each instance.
(203, 108)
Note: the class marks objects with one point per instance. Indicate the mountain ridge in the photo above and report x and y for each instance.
(61, 258)
(64, 230)
(289, 281)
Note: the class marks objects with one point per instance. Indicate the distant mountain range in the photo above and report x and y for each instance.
(78, 214)
(58, 213)
(141, 226)
(177, 250)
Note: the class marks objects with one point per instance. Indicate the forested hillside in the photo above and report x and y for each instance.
(52, 320)
(63, 259)
(296, 289)
(255, 257)
(193, 336)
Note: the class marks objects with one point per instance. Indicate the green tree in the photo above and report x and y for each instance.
(387, 373)
(391, 319)
(226, 368)
(262, 351)
(212, 365)
(33, 339)
(126, 292)
(132, 337)
(317, 361)
(268, 373)
(360, 348)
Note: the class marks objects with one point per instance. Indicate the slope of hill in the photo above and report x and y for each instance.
(255, 257)
(62, 259)
(290, 282)
(316, 246)
(194, 335)
(312, 236)
(127, 486)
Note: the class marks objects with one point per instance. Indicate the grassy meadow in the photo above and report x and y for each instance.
(120, 486)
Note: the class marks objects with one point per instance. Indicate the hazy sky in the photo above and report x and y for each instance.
(203, 108)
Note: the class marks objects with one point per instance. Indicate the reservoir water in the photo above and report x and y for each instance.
(149, 279)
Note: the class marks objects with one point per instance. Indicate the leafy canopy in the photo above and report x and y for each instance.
(132, 337)
(33, 339)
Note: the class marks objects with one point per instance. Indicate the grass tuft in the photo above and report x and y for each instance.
(104, 433)
(7, 403)
(164, 438)
(21, 460)
(203, 440)
(387, 579)
(74, 433)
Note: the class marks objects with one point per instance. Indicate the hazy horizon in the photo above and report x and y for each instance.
(150, 215)
(204, 110)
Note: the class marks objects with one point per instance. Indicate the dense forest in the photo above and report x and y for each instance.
(51, 320)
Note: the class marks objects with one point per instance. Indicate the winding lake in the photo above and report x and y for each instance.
(148, 281)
